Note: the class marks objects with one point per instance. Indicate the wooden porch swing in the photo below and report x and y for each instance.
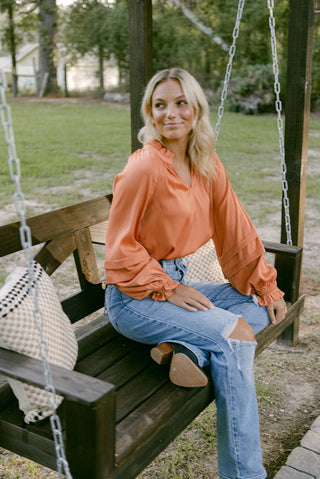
(120, 410)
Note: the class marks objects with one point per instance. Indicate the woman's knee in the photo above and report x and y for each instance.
(243, 331)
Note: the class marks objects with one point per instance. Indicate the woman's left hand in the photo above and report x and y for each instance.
(277, 311)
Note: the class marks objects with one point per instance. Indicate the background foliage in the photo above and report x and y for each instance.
(100, 27)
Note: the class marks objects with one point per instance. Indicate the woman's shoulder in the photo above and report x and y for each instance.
(149, 159)
(145, 163)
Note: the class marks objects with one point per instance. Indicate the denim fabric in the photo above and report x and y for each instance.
(206, 333)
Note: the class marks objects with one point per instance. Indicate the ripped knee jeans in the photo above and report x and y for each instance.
(206, 334)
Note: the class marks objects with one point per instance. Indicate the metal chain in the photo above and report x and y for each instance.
(232, 51)
(278, 106)
(26, 242)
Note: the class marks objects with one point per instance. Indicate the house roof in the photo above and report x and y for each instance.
(26, 50)
(5, 62)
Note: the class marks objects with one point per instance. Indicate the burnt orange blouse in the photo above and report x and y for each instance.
(155, 215)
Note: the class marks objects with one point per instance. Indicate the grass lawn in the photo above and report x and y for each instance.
(72, 151)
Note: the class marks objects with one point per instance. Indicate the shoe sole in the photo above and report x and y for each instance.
(183, 371)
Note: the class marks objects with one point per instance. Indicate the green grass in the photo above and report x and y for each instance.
(58, 143)
(72, 150)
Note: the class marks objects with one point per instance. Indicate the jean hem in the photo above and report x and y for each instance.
(260, 476)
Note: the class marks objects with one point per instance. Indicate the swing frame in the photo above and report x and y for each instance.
(117, 423)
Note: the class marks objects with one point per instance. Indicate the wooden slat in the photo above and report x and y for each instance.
(56, 223)
(99, 232)
(282, 249)
(106, 355)
(84, 303)
(93, 335)
(127, 368)
(161, 432)
(270, 333)
(18, 439)
(86, 255)
(144, 385)
(55, 252)
(71, 384)
(153, 413)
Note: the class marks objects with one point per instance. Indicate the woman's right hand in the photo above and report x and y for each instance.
(189, 298)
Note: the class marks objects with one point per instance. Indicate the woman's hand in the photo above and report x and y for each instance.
(277, 311)
(189, 298)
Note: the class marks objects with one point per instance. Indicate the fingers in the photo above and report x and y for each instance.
(190, 299)
(272, 316)
(277, 311)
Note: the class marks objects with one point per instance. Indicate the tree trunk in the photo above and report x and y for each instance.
(47, 45)
(101, 70)
(12, 48)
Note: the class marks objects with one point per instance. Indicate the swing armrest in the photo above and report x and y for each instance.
(282, 249)
(288, 262)
(74, 386)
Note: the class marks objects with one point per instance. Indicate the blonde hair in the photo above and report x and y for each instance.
(201, 140)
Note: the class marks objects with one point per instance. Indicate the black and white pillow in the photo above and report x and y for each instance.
(19, 332)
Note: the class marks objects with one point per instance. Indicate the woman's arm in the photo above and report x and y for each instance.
(128, 264)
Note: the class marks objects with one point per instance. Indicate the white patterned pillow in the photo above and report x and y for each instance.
(203, 265)
(18, 332)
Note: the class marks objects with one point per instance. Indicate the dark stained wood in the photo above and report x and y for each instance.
(140, 44)
(91, 438)
(297, 111)
(72, 385)
(84, 303)
(53, 254)
(270, 333)
(282, 248)
(56, 223)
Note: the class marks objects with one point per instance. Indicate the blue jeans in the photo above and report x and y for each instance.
(206, 333)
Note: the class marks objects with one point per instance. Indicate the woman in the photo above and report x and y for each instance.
(170, 199)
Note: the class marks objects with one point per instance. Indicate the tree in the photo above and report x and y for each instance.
(87, 30)
(11, 40)
(118, 37)
(47, 45)
(19, 26)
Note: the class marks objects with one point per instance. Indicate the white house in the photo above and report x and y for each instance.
(80, 77)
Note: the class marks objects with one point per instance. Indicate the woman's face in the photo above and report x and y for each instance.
(170, 112)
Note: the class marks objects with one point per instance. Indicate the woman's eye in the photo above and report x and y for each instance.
(159, 105)
(182, 102)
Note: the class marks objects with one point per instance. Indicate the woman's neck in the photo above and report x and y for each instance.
(179, 149)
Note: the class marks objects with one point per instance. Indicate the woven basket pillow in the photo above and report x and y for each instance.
(18, 332)
(203, 265)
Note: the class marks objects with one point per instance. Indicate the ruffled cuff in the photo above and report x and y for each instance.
(165, 291)
(270, 297)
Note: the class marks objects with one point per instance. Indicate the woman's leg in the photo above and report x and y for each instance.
(152, 322)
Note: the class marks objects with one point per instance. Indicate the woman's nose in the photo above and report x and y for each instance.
(171, 110)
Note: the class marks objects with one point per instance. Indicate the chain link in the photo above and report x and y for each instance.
(232, 51)
(278, 106)
(26, 241)
(278, 103)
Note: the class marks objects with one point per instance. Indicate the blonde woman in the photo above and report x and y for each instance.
(170, 199)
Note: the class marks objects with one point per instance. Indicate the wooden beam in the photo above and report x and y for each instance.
(297, 112)
(140, 44)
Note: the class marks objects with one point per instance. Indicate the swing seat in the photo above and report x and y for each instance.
(119, 410)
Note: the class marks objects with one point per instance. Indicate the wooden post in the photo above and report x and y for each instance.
(297, 113)
(140, 41)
